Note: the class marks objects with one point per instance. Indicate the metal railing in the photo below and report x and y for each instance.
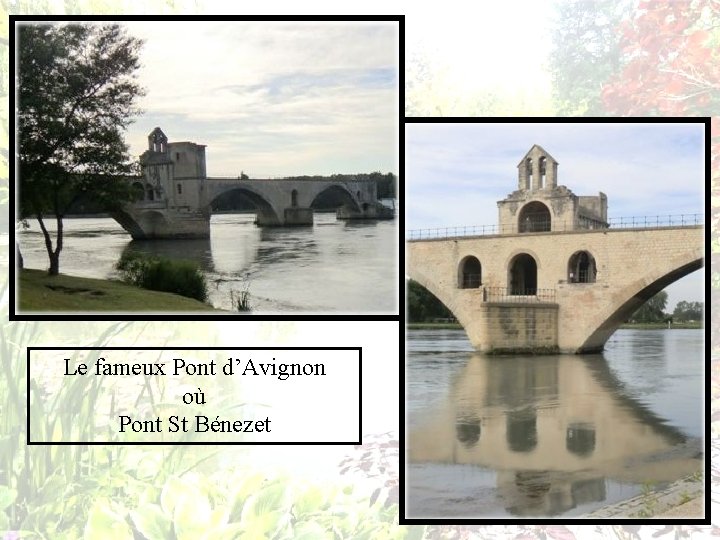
(645, 222)
(518, 296)
(652, 222)
(471, 281)
(296, 178)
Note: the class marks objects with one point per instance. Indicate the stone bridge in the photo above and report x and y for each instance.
(550, 291)
(554, 275)
(175, 196)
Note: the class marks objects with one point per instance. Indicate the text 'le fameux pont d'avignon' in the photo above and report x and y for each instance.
(179, 367)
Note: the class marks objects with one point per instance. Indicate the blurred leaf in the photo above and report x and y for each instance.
(248, 487)
(224, 532)
(267, 511)
(150, 521)
(271, 498)
(105, 524)
(7, 496)
(415, 532)
(311, 500)
(311, 531)
(171, 493)
(191, 516)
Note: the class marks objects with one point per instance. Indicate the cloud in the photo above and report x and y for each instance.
(644, 169)
(317, 97)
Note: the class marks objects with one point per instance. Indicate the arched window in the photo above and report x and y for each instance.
(581, 268)
(522, 275)
(470, 275)
(149, 193)
(580, 439)
(534, 217)
(293, 198)
(529, 172)
(467, 429)
(521, 429)
(543, 163)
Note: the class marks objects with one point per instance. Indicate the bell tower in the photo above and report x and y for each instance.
(541, 205)
(157, 141)
(537, 170)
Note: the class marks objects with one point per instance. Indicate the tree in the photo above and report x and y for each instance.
(670, 61)
(77, 94)
(653, 310)
(586, 52)
(423, 305)
(688, 311)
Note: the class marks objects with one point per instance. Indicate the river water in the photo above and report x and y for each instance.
(562, 435)
(333, 266)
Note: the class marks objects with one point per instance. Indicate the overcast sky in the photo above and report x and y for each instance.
(273, 98)
(456, 173)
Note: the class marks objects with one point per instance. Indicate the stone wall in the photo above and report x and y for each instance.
(512, 327)
(593, 206)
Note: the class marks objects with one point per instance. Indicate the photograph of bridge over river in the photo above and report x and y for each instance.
(223, 167)
(555, 363)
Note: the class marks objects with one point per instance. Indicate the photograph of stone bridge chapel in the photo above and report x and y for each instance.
(213, 167)
(554, 275)
(533, 387)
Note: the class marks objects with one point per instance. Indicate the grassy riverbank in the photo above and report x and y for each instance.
(39, 292)
(635, 326)
(433, 326)
(662, 326)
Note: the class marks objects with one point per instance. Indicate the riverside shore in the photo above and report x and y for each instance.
(681, 499)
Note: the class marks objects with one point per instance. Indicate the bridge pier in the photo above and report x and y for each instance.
(511, 328)
(298, 216)
(158, 223)
(367, 211)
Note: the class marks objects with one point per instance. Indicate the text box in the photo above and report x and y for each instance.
(194, 395)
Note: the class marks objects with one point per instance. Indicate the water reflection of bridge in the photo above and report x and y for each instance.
(554, 429)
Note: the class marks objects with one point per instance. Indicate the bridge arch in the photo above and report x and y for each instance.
(534, 217)
(469, 273)
(624, 302)
(266, 214)
(154, 222)
(142, 224)
(444, 294)
(335, 196)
